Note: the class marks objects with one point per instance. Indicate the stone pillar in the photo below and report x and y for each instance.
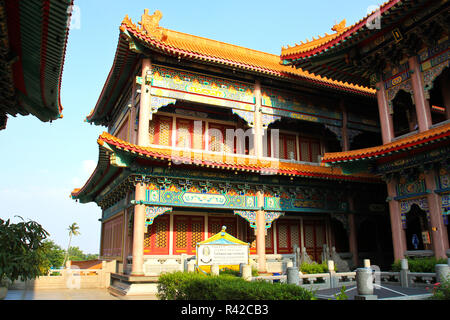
(261, 233)
(442, 272)
(293, 276)
(145, 105)
(398, 234)
(439, 236)
(387, 125)
(364, 284)
(139, 232)
(423, 111)
(258, 128)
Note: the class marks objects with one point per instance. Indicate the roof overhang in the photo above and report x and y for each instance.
(34, 37)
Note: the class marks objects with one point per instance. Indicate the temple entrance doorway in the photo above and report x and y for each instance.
(417, 234)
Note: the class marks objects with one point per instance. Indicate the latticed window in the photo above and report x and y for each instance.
(160, 131)
(188, 231)
(309, 150)
(288, 235)
(217, 138)
(287, 147)
(215, 226)
(156, 239)
(314, 238)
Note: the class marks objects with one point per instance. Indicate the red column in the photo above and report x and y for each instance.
(387, 125)
(398, 234)
(422, 105)
(439, 236)
(261, 234)
(144, 107)
(139, 232)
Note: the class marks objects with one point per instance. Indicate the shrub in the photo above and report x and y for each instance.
(194, 286)
(420, 264)
(314, 268)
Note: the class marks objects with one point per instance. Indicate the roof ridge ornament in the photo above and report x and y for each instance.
(150, 24)
(340, 26)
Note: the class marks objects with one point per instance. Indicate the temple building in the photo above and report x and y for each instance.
(402, 51)
(33, 35)
(203, 134)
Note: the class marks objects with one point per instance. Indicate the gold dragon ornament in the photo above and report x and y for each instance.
(150, 24)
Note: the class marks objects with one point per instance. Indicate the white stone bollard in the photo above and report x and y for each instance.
(289, 264)
(191, 266)
(442, 272)
(215, 270)
(367, 263)
(364, 284)
(247, 272)
(293, 276)
(333, 280)
(404, 273)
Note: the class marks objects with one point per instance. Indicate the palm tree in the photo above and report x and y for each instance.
(73, 231)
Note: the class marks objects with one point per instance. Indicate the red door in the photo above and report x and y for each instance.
(188, 231)
(314, 238)
(288, 235)
(156, 240)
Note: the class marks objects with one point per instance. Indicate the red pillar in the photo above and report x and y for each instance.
(139, 232)
(422, 105)
(398, 234)
(261, 234)
(439, 236)
(387, 125)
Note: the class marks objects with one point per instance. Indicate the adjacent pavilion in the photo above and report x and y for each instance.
(33, 36)
(203, 134)
(402, 51)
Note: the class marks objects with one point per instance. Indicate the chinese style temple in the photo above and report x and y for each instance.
(203, 134)
(402, 51)
(33, 35)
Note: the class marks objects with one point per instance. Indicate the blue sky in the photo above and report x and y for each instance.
(42, 162)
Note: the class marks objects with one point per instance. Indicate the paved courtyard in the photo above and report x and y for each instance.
(69, 294)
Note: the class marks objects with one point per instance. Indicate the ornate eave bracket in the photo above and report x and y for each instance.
(247, 116)
(151, 212)
(268, 119)
(343, 219)
(159, 102)
(250, 216)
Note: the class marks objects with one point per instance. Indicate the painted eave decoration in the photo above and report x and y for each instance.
(432, 136)
(149, 36)
(34, 36)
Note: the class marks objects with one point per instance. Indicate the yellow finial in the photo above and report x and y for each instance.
(340, 26)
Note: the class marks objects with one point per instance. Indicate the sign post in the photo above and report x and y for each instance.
(223, 250)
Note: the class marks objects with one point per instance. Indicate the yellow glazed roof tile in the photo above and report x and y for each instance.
(186, 45)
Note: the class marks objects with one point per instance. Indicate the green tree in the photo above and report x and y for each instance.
(21, 250)
(54, 254)
(73, 231)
